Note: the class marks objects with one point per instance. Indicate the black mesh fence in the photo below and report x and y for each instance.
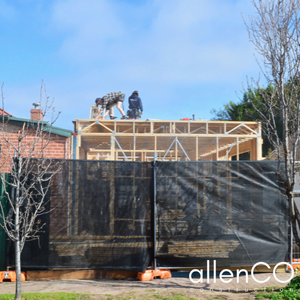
(101, 216)
(232, 212)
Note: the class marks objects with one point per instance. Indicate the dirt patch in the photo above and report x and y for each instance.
(172, 288)
(168, 294)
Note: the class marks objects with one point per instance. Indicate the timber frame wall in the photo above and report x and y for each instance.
(138, 140)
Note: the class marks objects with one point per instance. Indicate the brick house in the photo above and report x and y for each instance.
(59, 145)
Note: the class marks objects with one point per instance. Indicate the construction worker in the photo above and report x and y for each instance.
(135, 104)
(108, 102)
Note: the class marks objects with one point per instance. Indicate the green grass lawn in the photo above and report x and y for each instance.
(48, 296)
(71, 296)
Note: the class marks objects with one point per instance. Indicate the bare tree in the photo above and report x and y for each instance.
(275, 32)
(23, 154)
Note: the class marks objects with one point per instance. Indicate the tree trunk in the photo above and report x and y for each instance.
(17, 257)
(18, 270)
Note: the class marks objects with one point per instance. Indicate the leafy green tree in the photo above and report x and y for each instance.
(274, 31)
(245, 111)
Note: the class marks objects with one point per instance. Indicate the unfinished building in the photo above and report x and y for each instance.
(127, 213)
(138, 140)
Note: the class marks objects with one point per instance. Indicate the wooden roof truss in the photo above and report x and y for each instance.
(137, 140)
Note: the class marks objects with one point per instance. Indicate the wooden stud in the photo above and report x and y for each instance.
(134, 146)
(112, 148)
(72, 147)
(176, 149)
(197, 148)
(78, 139)
(237, 149)
(217, 148)
(252, 156)
(259, 148)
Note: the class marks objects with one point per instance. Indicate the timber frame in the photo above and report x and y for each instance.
(138, 140)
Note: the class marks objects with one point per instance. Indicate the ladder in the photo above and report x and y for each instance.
(95, 110)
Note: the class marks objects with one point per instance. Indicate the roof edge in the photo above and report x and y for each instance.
(47, 126)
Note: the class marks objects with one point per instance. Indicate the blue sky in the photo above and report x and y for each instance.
(184, 56)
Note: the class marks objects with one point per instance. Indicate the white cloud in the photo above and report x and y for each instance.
(185, 41)
(163, 48)
(89, 25)
(169, 50)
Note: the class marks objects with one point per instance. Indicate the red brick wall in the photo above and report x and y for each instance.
(56, 146)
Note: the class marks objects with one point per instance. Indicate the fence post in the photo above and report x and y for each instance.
(154, 211)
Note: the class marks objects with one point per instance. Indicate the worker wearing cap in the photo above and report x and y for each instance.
(135, 104)
(109, 101)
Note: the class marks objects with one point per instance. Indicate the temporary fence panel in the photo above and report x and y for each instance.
(99, 217)
(232, 212)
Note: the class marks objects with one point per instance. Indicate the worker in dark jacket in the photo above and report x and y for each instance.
(135, 104)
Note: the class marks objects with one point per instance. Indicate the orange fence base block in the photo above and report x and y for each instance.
(165, 274)
(11, 275)
(148, 275)
(295, 266)
(151, 274)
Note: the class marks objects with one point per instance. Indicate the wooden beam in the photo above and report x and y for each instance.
(259, 146)
(176, 150)
(237, 149)
(134, 145)
(197, 149)
(112, 148)
(166, 121)
(72, 147)
(78, 142)
(250, 129)
(88, 126)
(252, 154)
(93, 134)
(217, 148)
(236, 127)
